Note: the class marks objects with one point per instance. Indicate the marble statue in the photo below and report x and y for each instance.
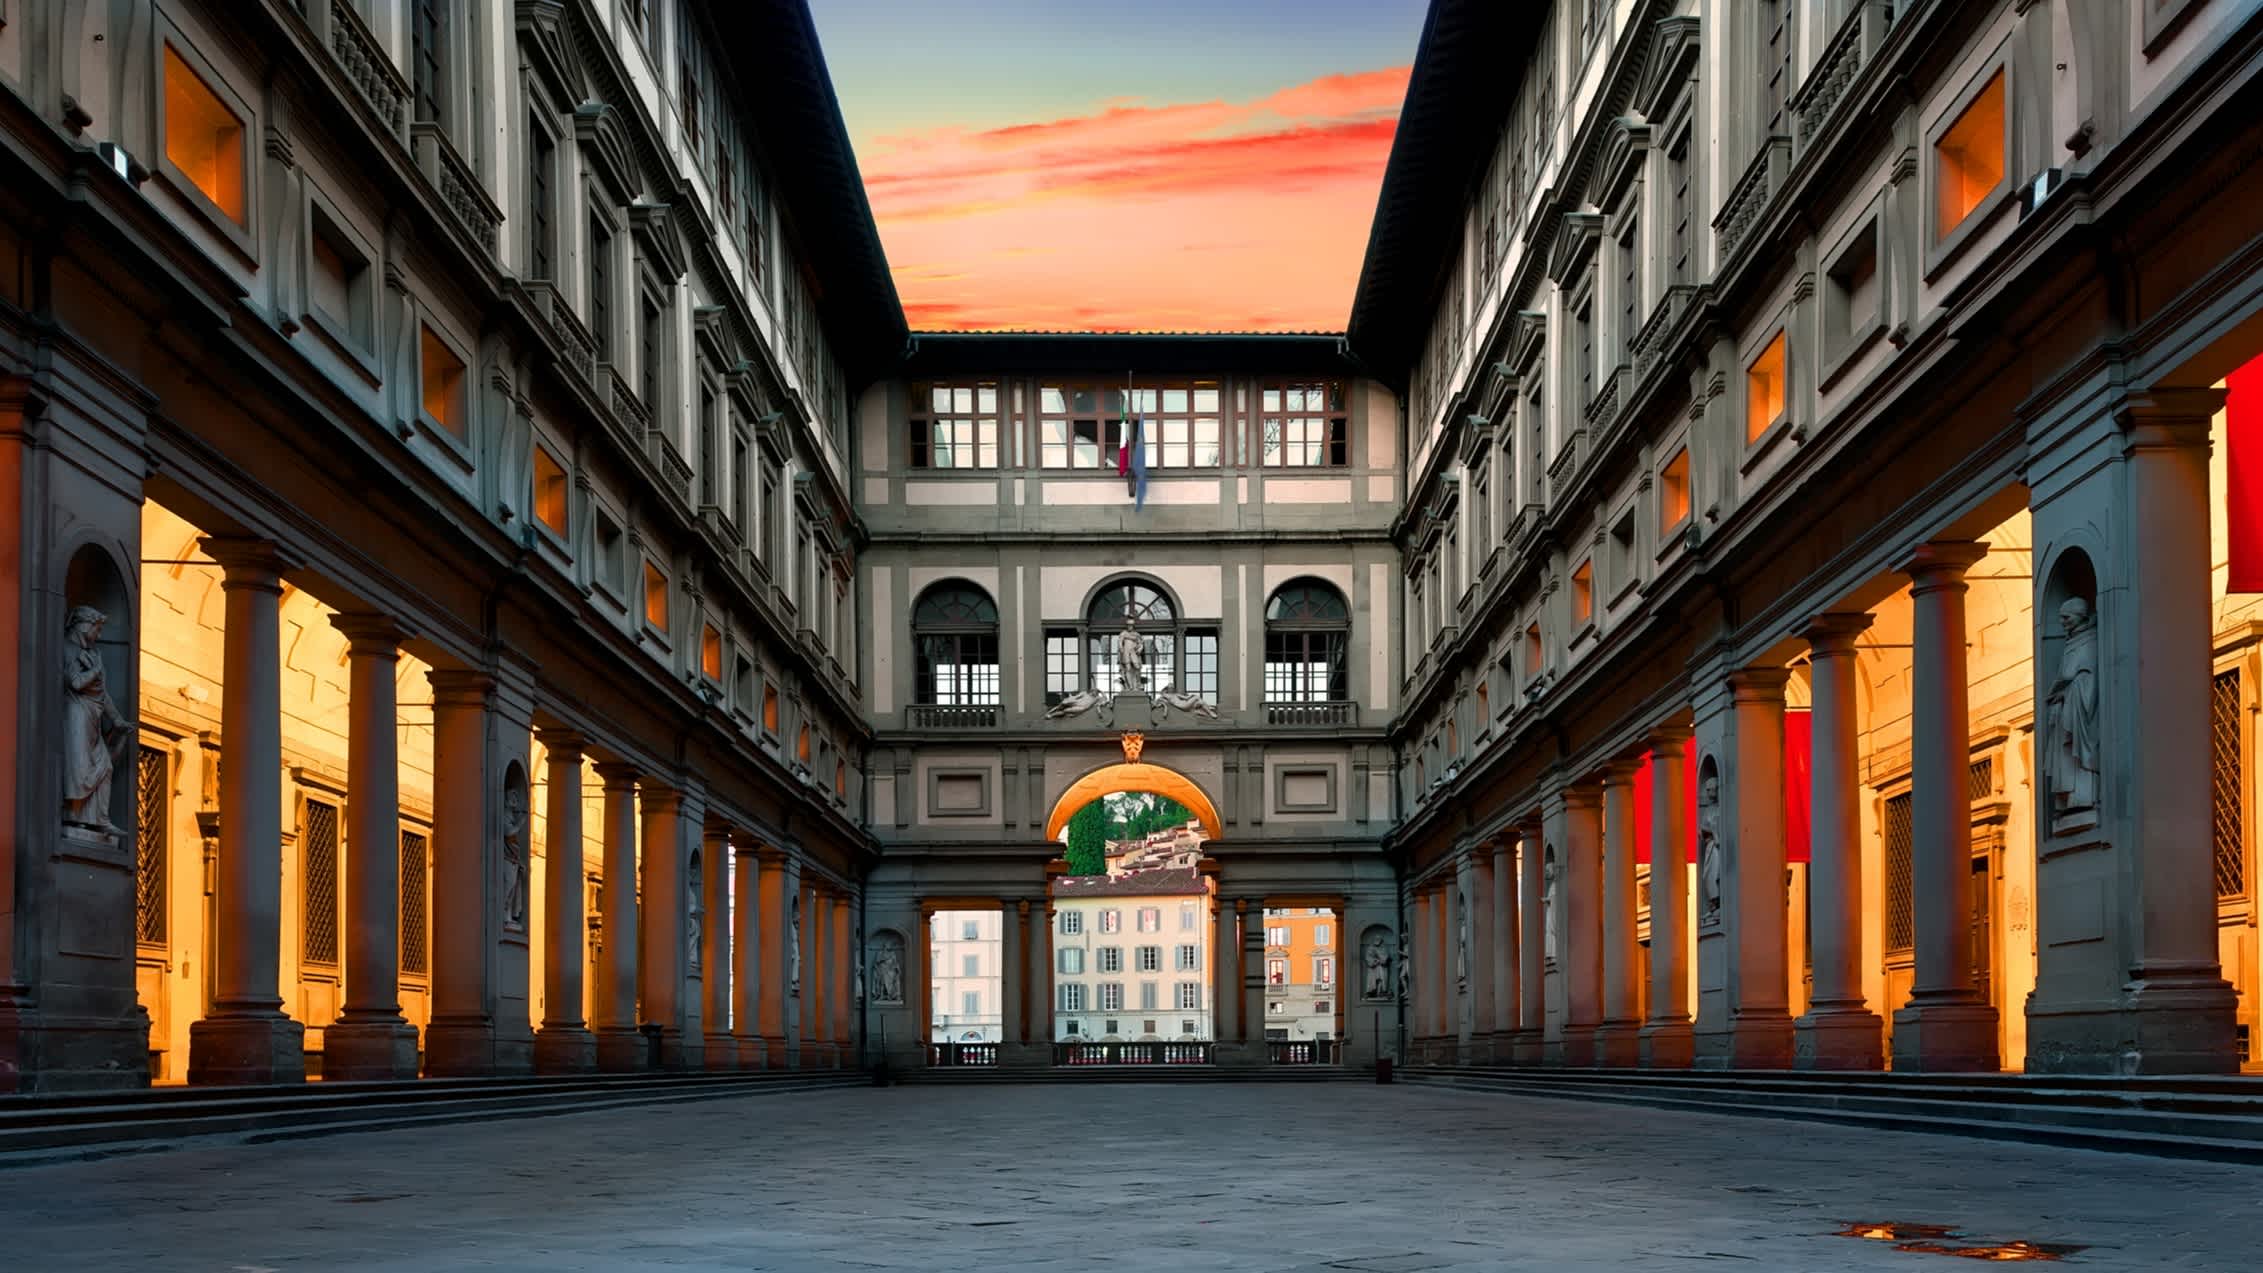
(1709, 849)
(2070, 763)
(1406, 971)
(1131, 665)
(856, 978)
(1552, 904)
(888, 971)
(1076, 704)
(1375, 966)
(1187, 701)
(93, 731)
(1461, 940)
(793, 947)
(514, 851)
(693, 913)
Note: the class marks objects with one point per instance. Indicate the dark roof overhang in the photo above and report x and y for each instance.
(1468, 73)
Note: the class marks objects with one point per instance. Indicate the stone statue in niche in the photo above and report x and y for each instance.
(1709, 850)
(93, 731)
(856, 977)
(1076, 704)
(1375, 966)
(514, 852)
(1552, 903)
(1131, 665)
(1461, 941)
(888, 970)
(793, 947)
(1406, 971)
(2070, 763)
(1186, 701)
(693, 914)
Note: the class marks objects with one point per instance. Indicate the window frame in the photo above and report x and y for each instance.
(1333, 417)
(324, 221)
(463, 444)
(1328, 638)
(1942, 249)
(984, 428)
(238, 234)
(972, 686)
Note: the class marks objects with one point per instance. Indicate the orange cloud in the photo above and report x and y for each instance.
(1213, 215)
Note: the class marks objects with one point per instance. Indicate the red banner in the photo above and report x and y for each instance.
(2243, 476)
(1799, 747)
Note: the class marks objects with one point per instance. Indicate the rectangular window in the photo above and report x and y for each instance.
(1583, 594)
(1309, 665)
(1900, 932)
(970, 1003)
(690, 98)
(970, 930)
(710, 653)
(1776, 86)
(773, 519)
(549, 491)
(1276, 972)
(1320, 934)
(1673, 491)
(1190, 999)
(1677, 187)
(648, 355)
(954, 426)
(1968, 160)
(412, 903)
(1324, 971)
(1189, 959)
(441, 373)
(2228, 770)
(1623, 568)
(1305, 425)
(428, 60)
(204, 139)
(970, 965)
(1764, 390)
(1072, 923)
(1150, 919)
(1630, 290)
(318, 872)
(1583, 350)
(1111, 921)
(338, 282)
(541, 159)
(1072, 960)
(1111, 959)
(1061, 672)
(1151, 959)
(740, 476)
(1187, 917)
(710, 466)
(1178, 424)
(655, 597)
(1112, 1000)
(1079, 426)
(1147, 999)
(152, 836)
(1202, 664)
(1320, 1007)
(1072, 999)
(601, 288)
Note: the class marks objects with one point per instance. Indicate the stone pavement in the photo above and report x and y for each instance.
(1251, 1178)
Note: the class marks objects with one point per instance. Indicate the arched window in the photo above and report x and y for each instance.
(1307, 644)
(955, 631)
(1150, 613)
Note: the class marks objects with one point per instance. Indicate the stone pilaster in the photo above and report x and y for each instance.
(1760, 1023)
(747, 968)
(563, 1045)
(371, 1039)
(1618, 1041)
(1667, 1041)
(1839, 1031)
(1580, 858)
(722, 1046)
(619, 1047)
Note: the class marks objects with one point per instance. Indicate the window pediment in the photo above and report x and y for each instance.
(1619, 159)
(549, 51)
(1528, 341)
(658, 238)
(1574, 245)
(1673, 59)
(604, 144)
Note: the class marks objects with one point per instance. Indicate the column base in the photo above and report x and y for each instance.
(774, 1052)
(1525, 1046)
(1577, 1051)
(1760, 1041)
(1946, 1036)
(2159, 1026)
(721, 1052)
(750, 1051)
(247, 1047)
(379, 1046)
(677, 1051)
(1838, 1038)
(564, 1050)
(1667, 1045)
(621, 1050)
(1618, 1044)
(462, 1048)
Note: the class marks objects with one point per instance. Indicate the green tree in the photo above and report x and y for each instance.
(1134, 817)
(1088, 841)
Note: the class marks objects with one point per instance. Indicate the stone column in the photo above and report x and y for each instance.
(1507, 970)
(245, 1037)
(1252, 1023)
(1424, 1011)
(772, 933)
(817, 1002)
(1618, 1042)
(660, 922)
(1225, 976)
(461, 1040)
(618, 1045)
(1477, 1040)
(1532, 948)
(1581, 859)
(805, 1032)
(1013, 986)
(1839, 1032)
(747, 966)
(371, 1040)
(722, 1045)
(1447, 997)
(564, 1044)
(1461, 957)
(843, 984)
(1041, 993)
(1945, 1025)
(1667, 1039)
(1760, 1023)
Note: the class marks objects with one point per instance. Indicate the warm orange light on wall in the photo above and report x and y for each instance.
(1128, 776)
(1673, 491)
(203, 138)
(769, 710)
(710, 652)
(1968, 160)
(1583, 593)
(1764, 390)
(655, 597)
(443, 376)
(549, 491)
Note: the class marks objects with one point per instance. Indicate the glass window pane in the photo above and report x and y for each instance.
(1051, 400)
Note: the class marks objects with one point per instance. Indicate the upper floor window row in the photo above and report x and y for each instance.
(1178, 425)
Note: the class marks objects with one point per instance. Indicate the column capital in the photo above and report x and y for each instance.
(1619, 771)
(1759, 685)
(2168, 415)
(714, 829)
(1668, 740)
(370, 634)
(565, 746)
(249, 562)
(658, 799)
(1021, 907)
(618, 776)
(1834, 633)
(1941, 563)
(1580, 795)
(458, 687)
(770, 856)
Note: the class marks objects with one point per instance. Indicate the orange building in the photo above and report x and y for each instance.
(1302, 964)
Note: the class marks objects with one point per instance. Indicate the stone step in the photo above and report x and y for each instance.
(35, 1129)
(2151, 1093)
(975, 1074)
(2230, 1130)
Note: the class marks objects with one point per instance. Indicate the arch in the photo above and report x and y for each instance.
(954, 630)
(1308, 628)
(1135, 776)
(1171, 613)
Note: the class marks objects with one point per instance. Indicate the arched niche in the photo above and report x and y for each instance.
(516, 866)
(98, 722)
(2070, 705)
(1376, 947)
(885, 980)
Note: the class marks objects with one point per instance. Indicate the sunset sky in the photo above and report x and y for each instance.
(1143, 164)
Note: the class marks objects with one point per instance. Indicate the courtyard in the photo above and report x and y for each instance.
(1071, 1176)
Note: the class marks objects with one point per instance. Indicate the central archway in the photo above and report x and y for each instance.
(1133, 775)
